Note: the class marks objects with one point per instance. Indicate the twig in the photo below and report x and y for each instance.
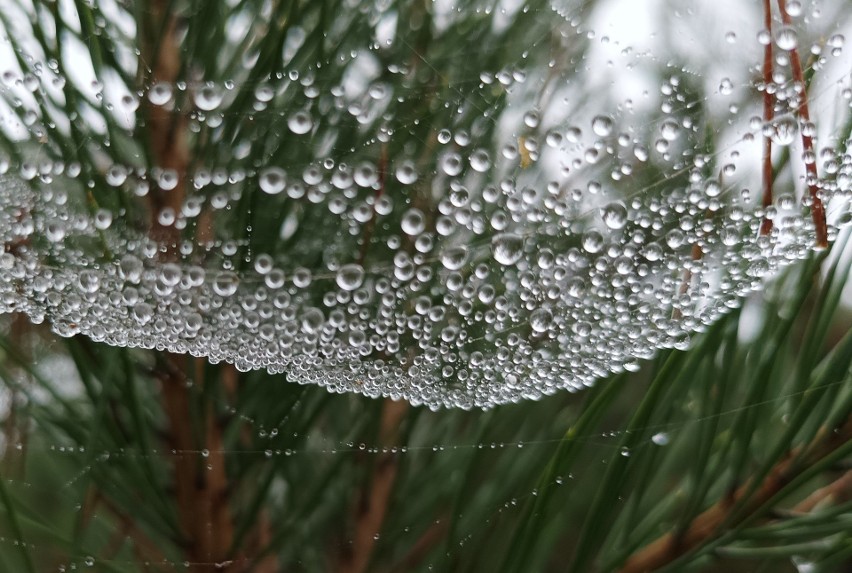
(15, 434)
(840, 490)
(146, 548)
(371, 225)
(422, 546)
(167, 129)
(817, 208)
(768, 115)
(374, 502)
(697, 254)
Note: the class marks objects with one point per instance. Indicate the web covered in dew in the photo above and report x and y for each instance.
(520, 201)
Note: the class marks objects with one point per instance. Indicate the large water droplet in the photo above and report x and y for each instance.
(454, 258)
(413, 222)
(508, 248)
(209, 97)
(272, 180)
(614, 215)
(300, 122)
(787, 38)
(602, 125)
(350, 276)
(540, 320)
(783, 129)
(226, 283)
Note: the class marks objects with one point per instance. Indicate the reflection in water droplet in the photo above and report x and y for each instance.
(614, 215)
(783, 129)
(413, 222)
(300, 122)
(787, 38)
(272, 180)
(350, 277)
(508, 248)
(226, 283)
(540, 320)
(602, 125)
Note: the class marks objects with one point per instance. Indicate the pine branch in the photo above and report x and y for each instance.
(740, 507)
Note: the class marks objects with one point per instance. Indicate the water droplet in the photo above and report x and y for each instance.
(614, 215)
(413, 222)
(209, 97)
(406, 173)
(272, 180)
(787, 38)
(602, 125)
(350, 276)
(670, 130)
(480, 161)
(312, 320)
(508, 248)
(540, 320)
(593, 241)
(160, 93)
(226, 283)
(783, 129)
(300, 122)
(454, 258)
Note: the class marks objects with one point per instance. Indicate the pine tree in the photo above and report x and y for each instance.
(328, 285)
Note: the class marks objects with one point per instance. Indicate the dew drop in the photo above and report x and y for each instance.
(602, 125)
(508, 248)
(160, 93)
(787, 38)
(540, 320)
(406, 173)
(614, 215)
(783, 129)
(350, 276)
(454, 258)
(272, 180)
(312, 320)
(413, 222)
(209, 97)
(300, 122)
(226, 283)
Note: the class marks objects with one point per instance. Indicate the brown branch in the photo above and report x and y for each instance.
(697, 254)
(146, 548)
(817, 208)
(768, 114)
(14, 429)
(371, 225)
(838, 491)
(200, 480)
(746, 500)
(261, 534)
(167, 128)
(373, 504)
(421, 548)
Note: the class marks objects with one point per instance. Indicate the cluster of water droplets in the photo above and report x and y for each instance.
(500, 264)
